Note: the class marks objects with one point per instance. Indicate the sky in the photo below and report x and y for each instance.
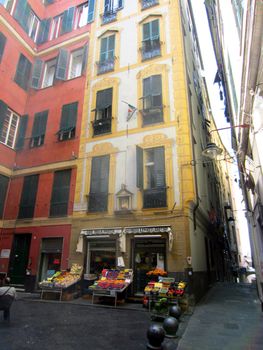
(210, 69)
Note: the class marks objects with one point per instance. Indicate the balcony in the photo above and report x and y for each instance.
(152, 115)
(105, 66)
(102, 126)
(151, 49)
(97, 202)
(108, 17)
(154, 198)
(149, 3)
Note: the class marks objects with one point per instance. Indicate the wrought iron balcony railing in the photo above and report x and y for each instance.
(108, 17)
(102, 126)
(151, 49)
(149, 3)
(154, 198)
(97, 202)
(152, 115)
(106, 66)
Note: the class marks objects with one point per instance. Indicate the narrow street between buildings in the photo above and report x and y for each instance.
(228, 318)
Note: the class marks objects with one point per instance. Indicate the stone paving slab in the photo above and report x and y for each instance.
(228, 318)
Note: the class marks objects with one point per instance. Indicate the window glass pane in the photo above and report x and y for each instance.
(76, 64)
(49, 74)
(9, 128)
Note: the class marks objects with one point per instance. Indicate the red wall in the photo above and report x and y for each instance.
(38, 233)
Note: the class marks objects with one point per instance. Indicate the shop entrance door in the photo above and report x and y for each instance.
(19, 258)
(147, 255)
(51, 253)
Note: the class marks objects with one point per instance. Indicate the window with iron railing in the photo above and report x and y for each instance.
(107, 57)
(149, 3)
(103, 112)
(111, 7)
(151, 45)
(152, 105)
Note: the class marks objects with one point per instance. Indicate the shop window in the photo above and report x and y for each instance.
(60, 193)
(51, 253)
(103, 112)
(151, 45)
(23, 72)
(68, 122)
(107, 57)
(101, 255)
(2, 45)
(39, 129)
(98, 195)
(151, 176)
(148, 3)
(3, 191)
(152, 105)
(9, 122)
(49, 73)
(28, 197)
(110, 10)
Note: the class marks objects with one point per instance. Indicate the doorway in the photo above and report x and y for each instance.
(147, 255)
(51, 255)
(19, 258)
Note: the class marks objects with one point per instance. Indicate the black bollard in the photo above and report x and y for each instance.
(170, 326)
(175, 311)
(155, 335)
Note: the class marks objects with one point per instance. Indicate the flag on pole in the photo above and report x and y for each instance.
(131, 111)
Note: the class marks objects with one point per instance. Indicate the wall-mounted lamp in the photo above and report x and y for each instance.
(212, 150)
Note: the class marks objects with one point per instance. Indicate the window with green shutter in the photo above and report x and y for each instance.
(67, 20)
(98, 196)
(23, 72)
(28, 197)
(2, 45)
(61, 69)
(3, 191)
(68, 121)
(103, 112)
(39, 129)
(21, 132)
(43, 31)
(107, 57)
(60, 193)
(91, 11)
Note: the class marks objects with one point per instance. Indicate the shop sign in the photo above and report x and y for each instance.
(102, 231)
(5, 253)
(148, 229)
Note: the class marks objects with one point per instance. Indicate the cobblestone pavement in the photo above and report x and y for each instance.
(228, 318)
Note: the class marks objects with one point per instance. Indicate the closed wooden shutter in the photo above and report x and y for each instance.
(43, 31)
(91, 11)
(3, 111)
(100, 175)
(23, 72)
(104, 98)
(159, 167)
(61, 68)
(28, 197)
(2, 44)
(40, 122)
(21, 132)
(67, 20)
(69, 116)
(3, 190)
(139, 164)
(60, 193)
(36, 74)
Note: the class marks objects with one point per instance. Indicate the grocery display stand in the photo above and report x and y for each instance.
(111, 284)
(62, 281)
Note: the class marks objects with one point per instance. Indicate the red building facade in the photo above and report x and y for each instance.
(43, 60)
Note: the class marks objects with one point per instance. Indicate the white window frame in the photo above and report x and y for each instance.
(55, 27)
(48, 66)
(8, 128)
(12, 7)
(33, 19)
(74, 54)
(81, 11)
